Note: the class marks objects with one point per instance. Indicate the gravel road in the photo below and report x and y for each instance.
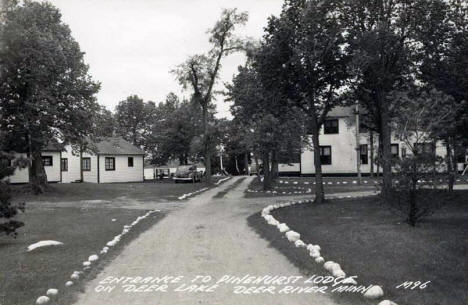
(207, 237)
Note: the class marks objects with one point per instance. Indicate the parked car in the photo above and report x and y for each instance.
(187, 173)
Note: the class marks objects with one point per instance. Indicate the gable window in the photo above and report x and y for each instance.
(47, 160)
(364, 154)
(331, 126)
(110, 164)
(325, 155)
(86, 164)
(395, 150)
(64, 164)
(130, 161)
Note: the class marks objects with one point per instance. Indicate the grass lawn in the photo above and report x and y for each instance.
(27, 275)
(148, 190)
(369, 241)
(291, 187)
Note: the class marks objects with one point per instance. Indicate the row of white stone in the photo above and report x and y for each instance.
(185, 196)
(327, 182)
(274, 192)
(75, 276)
(374, 292)
(365, 182)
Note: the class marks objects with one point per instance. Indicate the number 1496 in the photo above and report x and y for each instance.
(413, 285)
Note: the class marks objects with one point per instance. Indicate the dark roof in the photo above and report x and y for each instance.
(117, 146)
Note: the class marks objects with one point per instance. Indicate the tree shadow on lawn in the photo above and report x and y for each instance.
(27, 275)
(146, 191)
(369, 241)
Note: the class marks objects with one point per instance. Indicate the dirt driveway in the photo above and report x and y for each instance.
(208, 237)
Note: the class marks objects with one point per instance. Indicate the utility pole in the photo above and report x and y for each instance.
(358, 147)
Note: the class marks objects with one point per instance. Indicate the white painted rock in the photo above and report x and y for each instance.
(282, 227)
(299, 243)
(335, 266)
(42, 300)
(69, 283)
(93, 258)
(87, 263)
(293, 236)
(75, 276)
(338, 273)
(311, 247)
(387, 302)
(349, 280)
(319, 260)
(44, 243)
(114, 219)
(374, 292)
(314, 254)
(52, 292)
(328, 265)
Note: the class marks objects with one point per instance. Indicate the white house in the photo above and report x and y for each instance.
(338, 148)
(110, 160)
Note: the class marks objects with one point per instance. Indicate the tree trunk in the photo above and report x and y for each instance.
(38, 180)
(450, 174)
(371, 153)
(386, 151)
(206, 145)
(266, 171)
(257, 166)
(412, 197)
(237, 165)
(246, 163)
(274, 166)
(81, 163)
(319, 193)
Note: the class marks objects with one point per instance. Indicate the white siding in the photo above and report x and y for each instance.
(288, 168)
(53, 172)
(343, 147)
(91, 176)
(149, 173)
(122, 172)
(74, 166)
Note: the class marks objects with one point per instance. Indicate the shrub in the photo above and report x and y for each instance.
(8, 210)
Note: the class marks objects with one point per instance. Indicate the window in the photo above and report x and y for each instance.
(426, 148)
(110, 164)
(47, 160)
(403, 152)
(364, 154)
(395, 150)
(86, 164)
(64, 164)
(325, 155)
(331, 126)
(130, 161)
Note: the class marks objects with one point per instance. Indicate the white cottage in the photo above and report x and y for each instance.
(111, 160)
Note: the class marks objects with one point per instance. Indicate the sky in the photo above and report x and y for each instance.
(132, 45)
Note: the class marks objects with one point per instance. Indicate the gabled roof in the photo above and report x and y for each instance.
(117, 146)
